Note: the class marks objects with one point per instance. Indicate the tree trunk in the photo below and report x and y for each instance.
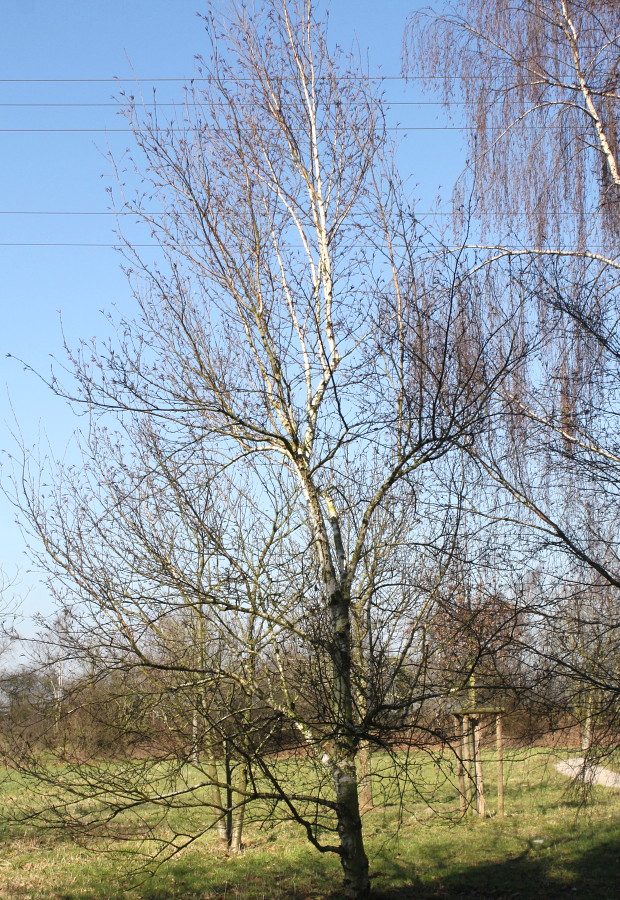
(216, 800)
(586, 725)
(229, 795)
(195, 738)
(365, 777)
(353, 856)
(236, 844)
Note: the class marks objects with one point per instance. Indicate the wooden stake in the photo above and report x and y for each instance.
(465, 756)
(461, 769)
(471, 725)
(500, 764)
(478, 768)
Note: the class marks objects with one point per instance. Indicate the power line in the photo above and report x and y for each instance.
(142, 213)
(73, 212)
(182, 130)
(164, 128)
(233, 79)
(66, 244)
(505, 248)
(190, 79)
(182, 103)
(71, 244)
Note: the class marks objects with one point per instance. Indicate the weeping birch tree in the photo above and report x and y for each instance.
(539, 86)
(537, 83)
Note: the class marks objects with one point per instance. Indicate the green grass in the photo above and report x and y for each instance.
(548, 845)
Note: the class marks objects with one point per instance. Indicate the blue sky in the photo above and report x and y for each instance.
(54, 136)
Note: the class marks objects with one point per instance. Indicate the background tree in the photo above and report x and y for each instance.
(539, 86)
(475, 634)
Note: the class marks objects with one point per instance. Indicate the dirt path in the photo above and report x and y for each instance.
(577, 768)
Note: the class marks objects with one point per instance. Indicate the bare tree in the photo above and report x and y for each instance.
(538, 82)
(263, 532)
(538, 85)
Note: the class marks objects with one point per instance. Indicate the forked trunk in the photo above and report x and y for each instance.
(343, 762)
(230, 826)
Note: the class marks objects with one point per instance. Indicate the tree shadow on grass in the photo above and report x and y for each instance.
(575, 863)
(273, 876)
(533, 875)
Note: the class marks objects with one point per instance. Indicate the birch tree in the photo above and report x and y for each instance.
(291, 402)
(537, 82)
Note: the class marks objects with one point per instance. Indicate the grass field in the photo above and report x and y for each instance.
(549, 844)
